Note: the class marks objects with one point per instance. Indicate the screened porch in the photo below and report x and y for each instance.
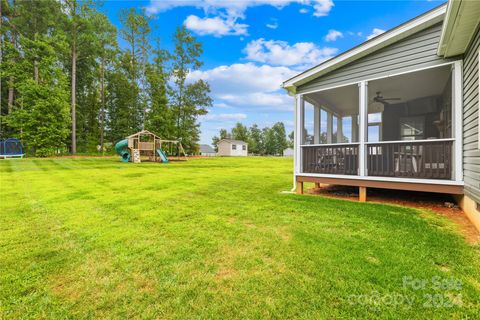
(401, 126)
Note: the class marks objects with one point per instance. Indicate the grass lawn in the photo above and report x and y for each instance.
(216, 238)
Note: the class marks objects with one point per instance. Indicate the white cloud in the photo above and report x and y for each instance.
(303, 10)
(248, 86)
(351, 33)
(216, 26)
(322, 7)
(223, 117)
(333, 35)
(281, 53)
(237, 7)
(265, 101)
(222, 105)
(375, 32)
(227, 12)
(272, 25)
(243, 78)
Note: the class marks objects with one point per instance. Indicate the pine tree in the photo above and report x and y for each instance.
(159, 117)
(135, 32)
(108, 49)
(240, 132)
(189, 99)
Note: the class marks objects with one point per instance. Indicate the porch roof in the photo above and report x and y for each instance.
(461, 22)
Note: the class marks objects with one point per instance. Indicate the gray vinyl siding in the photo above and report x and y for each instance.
(471, 151)
(416, 51)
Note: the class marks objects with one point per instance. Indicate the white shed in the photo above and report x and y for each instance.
(233, 148)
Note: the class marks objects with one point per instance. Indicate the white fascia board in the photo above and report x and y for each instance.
(421, 22)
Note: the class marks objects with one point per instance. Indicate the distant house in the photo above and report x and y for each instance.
(233, 148)
(288, 152)
(207, 151)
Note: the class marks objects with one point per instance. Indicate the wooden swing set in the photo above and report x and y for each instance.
(148, 144)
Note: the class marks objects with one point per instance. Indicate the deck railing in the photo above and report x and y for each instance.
(424, 159)
(331, 159)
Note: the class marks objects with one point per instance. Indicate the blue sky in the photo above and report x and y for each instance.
(251, 46)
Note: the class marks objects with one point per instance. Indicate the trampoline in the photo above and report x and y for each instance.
(11, 148)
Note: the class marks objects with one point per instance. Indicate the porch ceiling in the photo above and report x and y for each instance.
(343, 100)
(411, 86)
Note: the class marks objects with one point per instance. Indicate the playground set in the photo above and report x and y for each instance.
(149, 146)
(11, 148)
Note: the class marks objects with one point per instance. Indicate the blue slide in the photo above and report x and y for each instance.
(162, 155)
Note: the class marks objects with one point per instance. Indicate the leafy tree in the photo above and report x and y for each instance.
(224, 134)
(240, 132)
(280, 142)
(268, 141)
(61, 57)
(215, 141)
(41, 112)
(291, 139)
(255, 141)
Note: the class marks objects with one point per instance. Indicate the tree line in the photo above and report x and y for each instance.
(267, 141)
(67, 85)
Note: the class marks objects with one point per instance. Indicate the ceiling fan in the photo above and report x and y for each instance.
(379, 102)
(381, 99)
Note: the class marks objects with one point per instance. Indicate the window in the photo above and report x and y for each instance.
(412, 128)
(244, 147)
(375, 127)
(234, 147)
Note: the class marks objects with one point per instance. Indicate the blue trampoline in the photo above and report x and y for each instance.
(11, 148)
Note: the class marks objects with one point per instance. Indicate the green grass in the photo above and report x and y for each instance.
(216, 238)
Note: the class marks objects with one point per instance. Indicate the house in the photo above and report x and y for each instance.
(235, 148)
(288, 152)
(207, 151)
(399, 111)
